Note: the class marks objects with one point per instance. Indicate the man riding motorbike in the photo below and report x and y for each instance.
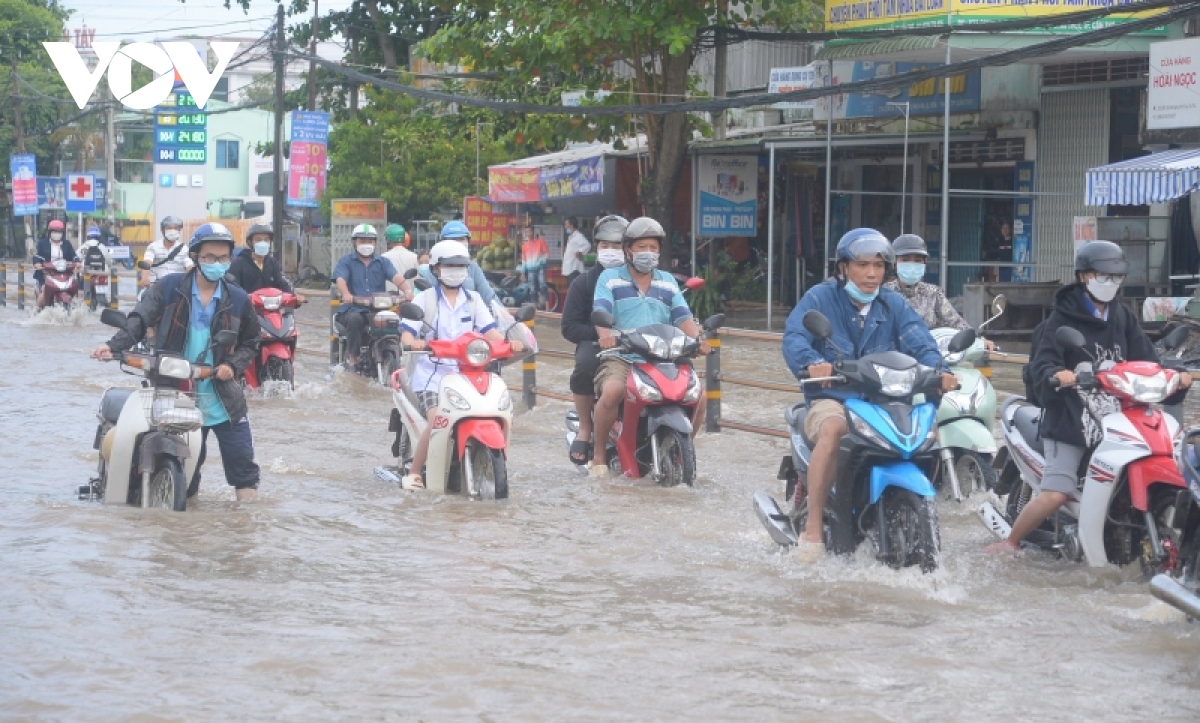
(1113, 334)
(476, 280)
(362, 273)
(609, 233)
(188, 311)
(450, 311)
(166, 256)
(255, 268)
(53, 247)
(866, 319)
(636, 294)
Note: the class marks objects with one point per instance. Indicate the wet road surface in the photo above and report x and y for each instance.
(339, 596)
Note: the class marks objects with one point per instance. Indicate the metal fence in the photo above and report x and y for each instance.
(23, 287)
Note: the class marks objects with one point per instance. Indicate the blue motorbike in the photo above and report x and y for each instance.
(882, 489)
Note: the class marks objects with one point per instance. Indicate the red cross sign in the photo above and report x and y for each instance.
(81, 193)
(80, 188)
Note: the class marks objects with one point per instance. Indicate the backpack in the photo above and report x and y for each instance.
(1031, 386)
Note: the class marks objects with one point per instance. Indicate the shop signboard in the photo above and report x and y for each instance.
(513, 185)
(485, 223)
(728, 203)
(927, 97)
(306, 172)
(23, 167)
(1174, 97)
(569, 180)
(788, 80)
(866, 14)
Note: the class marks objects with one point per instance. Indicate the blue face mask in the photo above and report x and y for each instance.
(910, 272)
(858, 294)
(262, 248)
(214, 272)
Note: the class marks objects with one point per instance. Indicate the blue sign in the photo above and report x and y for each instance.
(52, 193)
(23, 167)
(926, 97)
(81, 193)
(728, 195)
(310, 127)
(581, 178)
(1023, 222)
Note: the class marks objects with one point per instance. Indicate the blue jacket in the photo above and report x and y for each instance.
(890, 325)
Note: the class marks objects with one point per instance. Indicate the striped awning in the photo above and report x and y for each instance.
(1156, 178)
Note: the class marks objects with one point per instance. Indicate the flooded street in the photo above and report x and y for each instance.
(336, 595)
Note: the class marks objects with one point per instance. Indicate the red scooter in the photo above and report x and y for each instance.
(278, 336)
(60, 283)
(653, 431)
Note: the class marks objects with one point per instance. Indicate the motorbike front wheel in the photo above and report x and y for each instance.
(484, 472)
(676, 458)
(168, 487)
(389, 362)
(975, 472)
(912, 529)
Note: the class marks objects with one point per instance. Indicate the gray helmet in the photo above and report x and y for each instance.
(171, 221)
(643, 227)
(1103, 257)
(258, 228)
(610, 229)
(909, 243)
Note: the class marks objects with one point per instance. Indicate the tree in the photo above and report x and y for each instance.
(584, 43)
(28, 88)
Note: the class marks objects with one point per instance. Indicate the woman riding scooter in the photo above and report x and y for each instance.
(450, 311)
(54, 247)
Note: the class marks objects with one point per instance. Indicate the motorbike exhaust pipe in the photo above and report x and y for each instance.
(1165, 588)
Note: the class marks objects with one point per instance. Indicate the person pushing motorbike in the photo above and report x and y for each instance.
(609, 233)
(1112, 334)
(636, 294)
(866, 319)
(255, 268)
(188, 310)
(450, 311)
(362, 273)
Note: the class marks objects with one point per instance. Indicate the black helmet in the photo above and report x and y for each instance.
(908, 244)
(257, 229)
(1103, 257)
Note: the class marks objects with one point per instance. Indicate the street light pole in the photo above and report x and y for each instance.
(904, 168)
(478, 125)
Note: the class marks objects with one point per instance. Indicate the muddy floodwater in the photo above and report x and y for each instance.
(338, 596)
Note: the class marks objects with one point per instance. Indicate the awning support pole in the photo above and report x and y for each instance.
(770, 231)
(943, 272)
(695, 225)
(828, 101)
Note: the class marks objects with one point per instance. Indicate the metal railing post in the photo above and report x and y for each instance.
(87, 283)
(4, 283)
(334, 302)
(712, 377)
(529, 375)
(20, 286)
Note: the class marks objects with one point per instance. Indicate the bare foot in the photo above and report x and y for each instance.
(1004, 547)
(245, 495)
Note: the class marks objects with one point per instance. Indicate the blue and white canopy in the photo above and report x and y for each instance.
(1156, 178)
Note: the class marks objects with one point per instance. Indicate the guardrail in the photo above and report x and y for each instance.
(25, 288)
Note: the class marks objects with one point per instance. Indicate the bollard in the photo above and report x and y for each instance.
(20, 286)
(87, 284)
(712, 374)
(529, 375)
(334, 303)
(114, 289)
(4, 283)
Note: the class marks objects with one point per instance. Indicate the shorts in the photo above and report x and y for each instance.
(614, 369)
(426, 401)
(1062, 467)
(819, 412)
(583, 376)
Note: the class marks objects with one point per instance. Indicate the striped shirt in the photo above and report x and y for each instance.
(662, 303)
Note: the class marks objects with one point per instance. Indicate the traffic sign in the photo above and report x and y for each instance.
(81, 193)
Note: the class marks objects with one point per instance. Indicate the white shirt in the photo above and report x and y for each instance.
(448, 322)
(403, 260)
(178, 265)
(55, 251)
(577, 243)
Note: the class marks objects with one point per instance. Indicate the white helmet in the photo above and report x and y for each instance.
(449, 252)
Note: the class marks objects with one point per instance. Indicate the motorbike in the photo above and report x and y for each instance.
(1127, 500)
(1180, 586)
(653, 431)
(469, 440)
(513, 292)
(379, 358)
(966, 417)
(60, 284)
(96, 289)
(882, 490)
(278, 335)
(149, 438)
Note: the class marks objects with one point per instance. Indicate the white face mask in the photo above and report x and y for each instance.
(453, 276)
(610, 258)
(366, 249)
(1104, 291)
(171, 235)
(56, 237)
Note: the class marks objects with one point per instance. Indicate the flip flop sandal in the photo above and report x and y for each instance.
(581, 452)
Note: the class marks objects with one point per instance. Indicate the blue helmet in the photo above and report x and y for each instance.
(211, 232)
(865, 243)
(455, 231)
(93, 232)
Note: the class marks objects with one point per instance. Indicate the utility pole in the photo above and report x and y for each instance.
(20, 128)
(312, 64)
(277, 167)
(720, 72)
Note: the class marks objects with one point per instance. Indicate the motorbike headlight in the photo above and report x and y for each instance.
(647, 391)
(382, 302)
(678, 342)
(693, 390)
(479, 352)
(60, 265)
(174, 367)
(456, 400)
(272, 303)
(658, 346)
(505, 402)
(867, 432)
(896, 382)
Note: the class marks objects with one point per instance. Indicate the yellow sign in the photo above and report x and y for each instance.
(867, 14)
(359, 208)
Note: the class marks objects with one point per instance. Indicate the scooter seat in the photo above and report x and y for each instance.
(112, 403)
(1027, 420)
(795, 416)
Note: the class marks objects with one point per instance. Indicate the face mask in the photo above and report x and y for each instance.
(56, 237)
(1103, 291)
(214, 272)
(366, 250)
(858, 294)
(645, 261)
(910, 272)
(262, 248)
(453, 276)
(171, 235)
(610, 258)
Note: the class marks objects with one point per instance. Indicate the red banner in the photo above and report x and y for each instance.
(513, 185)
(485, 225)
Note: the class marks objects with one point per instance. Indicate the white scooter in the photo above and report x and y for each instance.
(469, 439)
(149, 438)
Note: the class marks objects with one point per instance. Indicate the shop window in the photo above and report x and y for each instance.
(227, 154)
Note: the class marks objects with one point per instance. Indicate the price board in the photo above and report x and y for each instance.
(180, 131)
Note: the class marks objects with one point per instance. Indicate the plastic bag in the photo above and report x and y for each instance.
(514, 332)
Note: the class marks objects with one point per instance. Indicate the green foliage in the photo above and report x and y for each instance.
(24, 25)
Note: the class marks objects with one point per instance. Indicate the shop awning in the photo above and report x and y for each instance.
(1156, 178)
(855, 50)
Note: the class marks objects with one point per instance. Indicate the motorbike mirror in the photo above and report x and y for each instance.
(998, 305)
(694, 284)
(412, 312)
(112, 317)
(525, 313)
(961, 341)
(420, 284)
(1176, 339)
(411, 274)
(1069, 338)
(818, 325)
(143, 265)
(714, 322)
(603, 319)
